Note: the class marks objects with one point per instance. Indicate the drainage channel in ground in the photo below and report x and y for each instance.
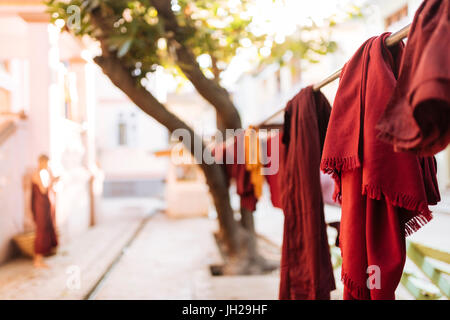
(92, 294)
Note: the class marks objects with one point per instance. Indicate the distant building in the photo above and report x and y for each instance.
(262, 92)
(46, 106)
(126, 138)
(380, 16)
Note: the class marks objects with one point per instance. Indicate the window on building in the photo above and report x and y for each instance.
(133, 134)
(278, 80)
(5, 100)
(122, 131)
(396, 16)
(71, 109)
(5, 93)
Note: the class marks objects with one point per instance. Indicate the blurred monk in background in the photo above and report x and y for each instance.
(43, 208)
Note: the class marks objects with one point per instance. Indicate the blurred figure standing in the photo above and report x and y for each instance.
(43, 208)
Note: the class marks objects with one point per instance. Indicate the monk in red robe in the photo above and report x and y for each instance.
(42, 206)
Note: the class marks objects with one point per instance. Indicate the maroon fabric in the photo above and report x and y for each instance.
(274, 180)
(44, 218)
(236, 170)
(275, 185)
(417, 117)
(306, 269)
(384, 194)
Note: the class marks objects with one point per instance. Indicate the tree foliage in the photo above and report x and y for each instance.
(138, 36)
(215, 29)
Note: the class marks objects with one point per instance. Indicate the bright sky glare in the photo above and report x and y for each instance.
(281, 18)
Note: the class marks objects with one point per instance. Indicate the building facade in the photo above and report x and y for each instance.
(46, 107)
(261, 93)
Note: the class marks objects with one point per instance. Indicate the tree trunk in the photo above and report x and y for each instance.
(220, 124)
(248, 223)
(227, 116)
(208, 88)
(242, 256)
(215, 177)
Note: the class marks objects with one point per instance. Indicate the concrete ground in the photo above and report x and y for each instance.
(88, 257)
(168, 259)
(165, 259)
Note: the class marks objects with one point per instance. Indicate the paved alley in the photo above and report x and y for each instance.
(137, 252)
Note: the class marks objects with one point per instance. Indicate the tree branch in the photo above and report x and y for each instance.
(207, 88)
(215, 177)
(121, 77)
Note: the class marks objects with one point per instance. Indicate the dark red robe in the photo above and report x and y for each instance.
(417, 117)
(385, 194)
(306, 269)
(44, 218)
(273, 180)
(236, 170)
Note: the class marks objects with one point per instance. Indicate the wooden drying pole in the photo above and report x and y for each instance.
(393, 39)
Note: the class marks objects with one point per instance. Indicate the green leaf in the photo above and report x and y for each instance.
(124, 48)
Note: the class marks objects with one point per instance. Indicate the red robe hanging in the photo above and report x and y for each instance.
(417, 117)
(236, 169)
(385, 194)
(306, 269)
(273, 180)
(44, 218)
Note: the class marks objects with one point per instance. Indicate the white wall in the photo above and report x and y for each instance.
(145, 136)
(258, 95)
(37, 89)
(255, 95)
(32, 137)
(13, 163)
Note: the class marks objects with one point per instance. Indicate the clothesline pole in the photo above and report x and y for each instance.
(393, 39)
(327, 80)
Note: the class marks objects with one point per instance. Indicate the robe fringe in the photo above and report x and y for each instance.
(423, 213)
(339, 164)
(358, 292)
(415, 223)
(333, 166)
